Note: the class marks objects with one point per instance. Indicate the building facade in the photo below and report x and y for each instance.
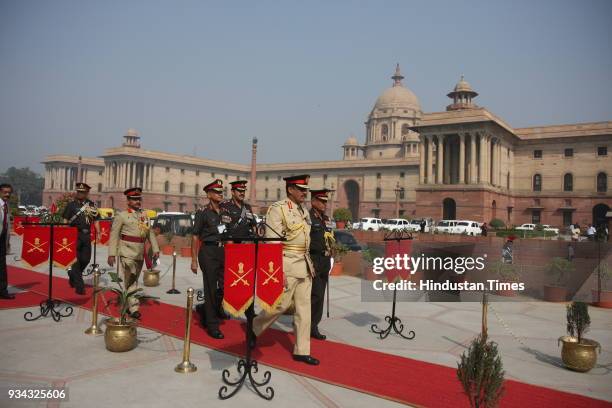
(461, 163)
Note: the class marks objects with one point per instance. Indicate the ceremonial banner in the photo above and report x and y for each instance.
(19, 220)
(35, 249)
(401, 248)
(92, 232)
(105, 227)
(239, 277)
(270, 277)
(64, 246)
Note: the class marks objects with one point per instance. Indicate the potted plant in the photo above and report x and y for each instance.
(120, 333)
(578, 353)
(507, 273)
(603, 298)
(481, 374)
(368, 255)
(186, 250)
(559, 269)
(342, 216)
(338, 252)
(168, 247)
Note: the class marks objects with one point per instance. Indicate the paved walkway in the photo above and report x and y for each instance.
(46, 353)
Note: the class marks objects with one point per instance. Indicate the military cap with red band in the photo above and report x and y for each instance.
(300, 181)
(239, 185)
(82, 187)
(134, 192)
(216, 185)
(320, 194)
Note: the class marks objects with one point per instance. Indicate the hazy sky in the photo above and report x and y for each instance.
(206, 77)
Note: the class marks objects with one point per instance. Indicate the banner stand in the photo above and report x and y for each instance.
(247, 366)
(92, 267)
(394, 322)
(49, 306)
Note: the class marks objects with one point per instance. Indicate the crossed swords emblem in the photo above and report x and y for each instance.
(64, 246)
(36, 246)
(240, 275)
(270, 273)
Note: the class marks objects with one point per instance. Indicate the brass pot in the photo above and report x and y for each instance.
(151, 278)
(579, 356)
(120, 337)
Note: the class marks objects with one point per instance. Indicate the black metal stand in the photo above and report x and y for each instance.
(94, 264)
(49, 306)
(248, 366)
(395, 323)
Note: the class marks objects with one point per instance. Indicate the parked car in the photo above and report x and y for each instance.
(526, 227)
(371, 224)
(415, 225)
(176, 223)
(356, 225)
(445, 226)
(347, 239)
(467, 227)
(398, 224)
(549, 228)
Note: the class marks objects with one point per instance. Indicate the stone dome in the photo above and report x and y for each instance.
(131, 132)
(398, 96)
(464, 87)
(351, 141)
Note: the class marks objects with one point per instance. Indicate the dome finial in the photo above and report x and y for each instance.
(397, 77)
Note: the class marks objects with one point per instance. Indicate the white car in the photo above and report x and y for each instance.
(356, 225)
(549, 228)
(415, 225)
(526, 227)
(398, 224)
(445, 226)
(467, 227)
(371, 224)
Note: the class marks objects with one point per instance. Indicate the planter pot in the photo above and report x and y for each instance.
(604, 301)
(119, 337)
(167, 249)
(340, 224)
(150, 278)
(186, 252)
(555, 293)
(337, 269)
(579, 357)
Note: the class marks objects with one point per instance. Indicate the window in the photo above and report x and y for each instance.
(378, 193)
(376, 212)
(402, 174)
(197, 173)
(266, 194)
(324, 179)
(602, 182)
(100, 173)
(378, 176)
(226, 176)
(167, 169)
(567, 218)
(267, 178)
(536, 216)
(166, 187)
(602, 150)
(212, 175)
(402, 213)
(537, 154)
(182, 188)
(402, 193)
(537, 182)
(196, 190)
(182, 171)
(278, 193)
(99, 187)
(278, 178)
(166, 206)
(568, 182)
(384, 132)
(569, 152)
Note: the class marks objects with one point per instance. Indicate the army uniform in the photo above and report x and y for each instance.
(130, 230)
(293, 221)
(80, 214)
(321, 239)
(208, 227)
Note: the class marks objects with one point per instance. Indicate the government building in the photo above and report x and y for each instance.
(463, 162)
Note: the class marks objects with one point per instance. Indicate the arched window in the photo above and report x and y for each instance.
(537, 182)
(602, 182)
(266, 193)
(378, 193)
(166, 186)
(197, 190)
(402, 193)
(568, 182)
(182, 188)
(384, 132)
(99, 187)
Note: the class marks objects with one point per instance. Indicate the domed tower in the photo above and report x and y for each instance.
(462, 96)
(387, 128)
(352, 149)
(131, 139)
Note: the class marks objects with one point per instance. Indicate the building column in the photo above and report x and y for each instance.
(500, 159)
(448, 155)
(462, 158)
(482, 161)
(440, 160)
(429, 140)
(422, 161)
(493, 162)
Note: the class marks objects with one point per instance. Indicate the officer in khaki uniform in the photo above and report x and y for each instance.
(128, 234)
(289, 218)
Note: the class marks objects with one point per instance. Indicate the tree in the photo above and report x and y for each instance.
(27, 185)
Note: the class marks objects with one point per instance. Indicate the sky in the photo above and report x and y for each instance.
(203, 78)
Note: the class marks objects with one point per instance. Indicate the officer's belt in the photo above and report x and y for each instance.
(212, 243)
(130, 238)
(295, 248)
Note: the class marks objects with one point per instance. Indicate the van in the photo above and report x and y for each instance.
(445, 227)
(371, 224)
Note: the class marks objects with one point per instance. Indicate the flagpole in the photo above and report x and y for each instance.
(49, 305)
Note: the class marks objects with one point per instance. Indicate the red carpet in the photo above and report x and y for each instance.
(22, 299)
(387, 376)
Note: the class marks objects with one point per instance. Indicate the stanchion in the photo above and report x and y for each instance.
(485, 307)
(395, 323)
(173, 291)
(187, 366)
(49, 305)
(94, 329)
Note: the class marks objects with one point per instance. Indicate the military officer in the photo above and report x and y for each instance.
(81, 213)
(289, 218)
(321, 240)
(242, 222)
(209, 224)
(128, 234)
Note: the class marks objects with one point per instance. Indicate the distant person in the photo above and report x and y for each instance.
(576, 233)
(423, 224)
(507, 250)
(591, 231)
(570, 252)
(483, 229)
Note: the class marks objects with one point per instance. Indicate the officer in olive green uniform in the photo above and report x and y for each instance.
(289, 218)
(129, 232)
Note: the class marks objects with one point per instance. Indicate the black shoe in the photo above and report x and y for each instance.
(251, 339)
(306, 359)
(135, 315)
(221, 314)
(6, 295)
(215, 334)
(70, 278)
(315, 334)
(80, 290)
